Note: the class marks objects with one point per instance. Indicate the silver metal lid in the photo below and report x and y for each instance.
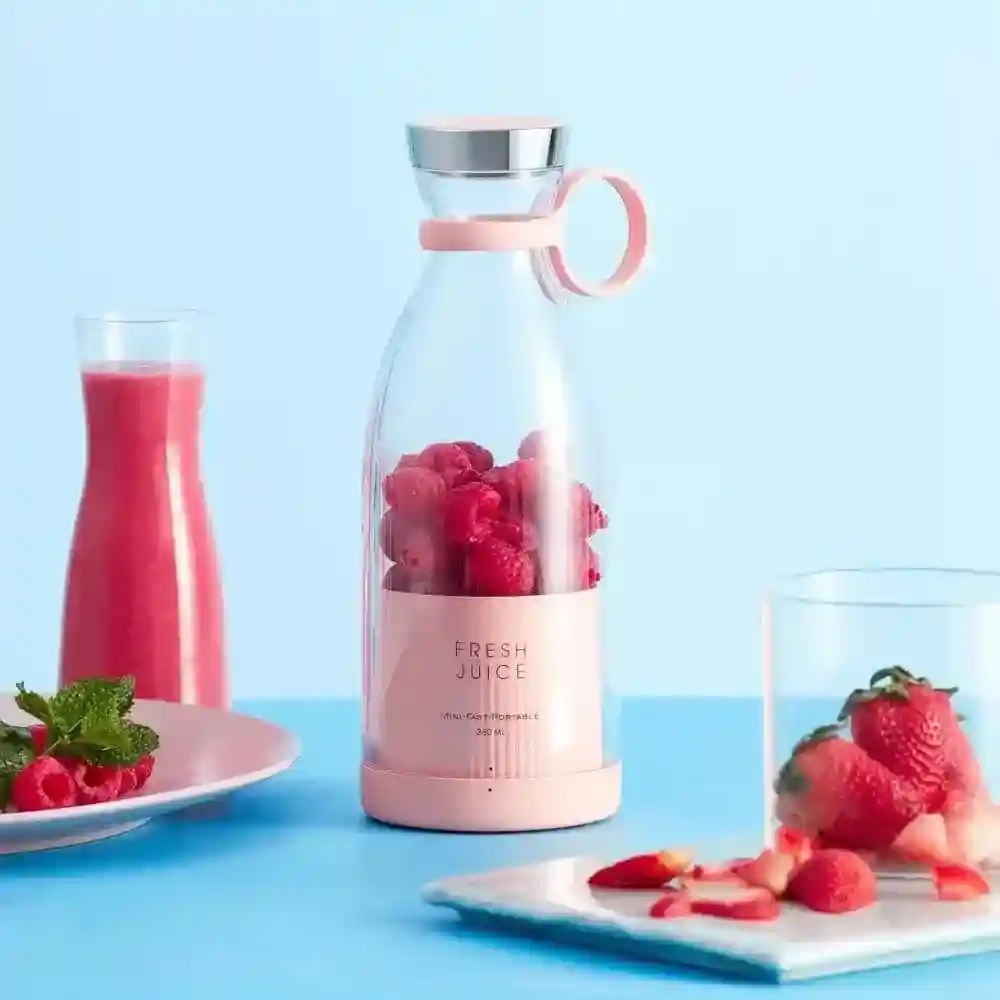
(484, 146)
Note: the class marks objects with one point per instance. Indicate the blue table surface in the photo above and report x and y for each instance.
(291, 893)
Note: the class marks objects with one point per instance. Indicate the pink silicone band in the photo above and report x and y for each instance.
(635, 247)
(543, 234)
(491, 232)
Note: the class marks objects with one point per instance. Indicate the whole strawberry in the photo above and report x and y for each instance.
(831, 788)
(911, 727)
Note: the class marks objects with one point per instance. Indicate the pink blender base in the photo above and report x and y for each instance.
(485, 805)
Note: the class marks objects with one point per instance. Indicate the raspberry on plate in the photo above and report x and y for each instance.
(493, 568)
(144, 770)
(39, 738)
(129, 781)
(95, 782)
(45, 783)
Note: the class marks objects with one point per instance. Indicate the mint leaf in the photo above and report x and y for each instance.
(34, 704)
(100, 740)
(16, 735)
(87, 701)
(87, 720)
(144, 740)
(122, 743)
(14, 756)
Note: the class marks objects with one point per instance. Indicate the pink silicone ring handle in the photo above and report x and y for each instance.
(635, 247)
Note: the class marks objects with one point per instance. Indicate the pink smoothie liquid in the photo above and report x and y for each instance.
(143, 595)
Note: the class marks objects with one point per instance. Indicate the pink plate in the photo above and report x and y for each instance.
(204, 754)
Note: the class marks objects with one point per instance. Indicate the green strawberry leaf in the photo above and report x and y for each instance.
(791, 780)
(857, 697)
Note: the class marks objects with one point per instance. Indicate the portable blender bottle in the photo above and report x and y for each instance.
(486, 699)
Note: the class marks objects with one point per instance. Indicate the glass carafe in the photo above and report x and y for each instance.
(487, 701)
(143, 594)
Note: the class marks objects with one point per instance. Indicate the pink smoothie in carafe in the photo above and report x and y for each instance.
(143, 595)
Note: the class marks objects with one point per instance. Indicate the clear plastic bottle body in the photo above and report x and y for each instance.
(482, 628)
(883, 713)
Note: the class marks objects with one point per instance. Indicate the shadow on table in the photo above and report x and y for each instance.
(231, 826)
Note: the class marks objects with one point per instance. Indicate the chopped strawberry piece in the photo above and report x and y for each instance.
(958, 883)
(972, 827)
(725, 874)
(674, 903)
(771, 871)
(643, 871)
(793, 843)
(744, 904)
(923, 841)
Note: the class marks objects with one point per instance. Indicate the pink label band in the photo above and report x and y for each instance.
(487, 687)
(492, 233)
(543, 235)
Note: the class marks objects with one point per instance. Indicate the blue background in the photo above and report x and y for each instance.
(806, 375)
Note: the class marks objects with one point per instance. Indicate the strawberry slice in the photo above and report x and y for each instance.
(643, 871)
(738, 903)
(771, 870)
(973, 829)
(923, 841)
(674, 903)
(958, 883)
(722, 874)
(793, 843)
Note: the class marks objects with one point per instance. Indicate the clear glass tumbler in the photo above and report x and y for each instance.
(882, 722)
